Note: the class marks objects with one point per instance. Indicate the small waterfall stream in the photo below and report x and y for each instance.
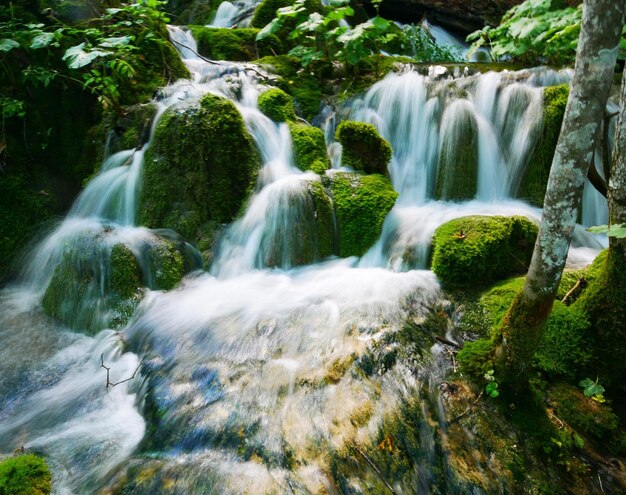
(249, 375)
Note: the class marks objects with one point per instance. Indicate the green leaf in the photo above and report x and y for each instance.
(270, 29)
(115, 42)
(76, 57)
(618, 231)
(380, 23)
(578, 441)
(591, 388)
(42, 41)
(7, 44)
(492, 390)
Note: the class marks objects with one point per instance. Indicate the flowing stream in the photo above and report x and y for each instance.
(249, 376)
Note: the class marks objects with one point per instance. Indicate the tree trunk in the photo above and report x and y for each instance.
(523, 325)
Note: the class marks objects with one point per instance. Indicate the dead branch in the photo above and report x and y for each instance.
(445, 341)
(582, 282)
(375, 468)
(113, 384)
(467, 411)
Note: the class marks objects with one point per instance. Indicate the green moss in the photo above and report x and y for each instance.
(184, 12)
(603, 303)
(201, 167)
(266, 11)
(324, 220)
(305, 88)
(24, 475)
(361, 205)
(364, 149)
(535, 179)
(476, 357)
(583, 413)
(235, 45)
(309, 147)
(125, 271)
(277, 105)
(457, 172)
(477, 250)
(168, 265)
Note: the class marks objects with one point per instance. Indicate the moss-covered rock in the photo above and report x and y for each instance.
(457, 172)
(361, 205)
(301, 84)
(583, 413)
(98, 285)
(603, 303)
(364, 149)
(24, 475)
(200, 168)
(564, 349)
(277, 105)
(477, 250)
(235, 45)
(535, 179)
(309, 147)
(184, 12)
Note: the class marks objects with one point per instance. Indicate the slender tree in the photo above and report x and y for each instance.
(598, 47)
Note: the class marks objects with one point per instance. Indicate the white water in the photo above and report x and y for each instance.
(247, 358)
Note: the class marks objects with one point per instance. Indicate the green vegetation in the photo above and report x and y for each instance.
(535, 179)
(361, 205)
(266, 11)
(364, 149)
(277, 105)
(24, 475)
(534, 32)
(471, 251)
(238, 44)
(200, 168)
(309, 147)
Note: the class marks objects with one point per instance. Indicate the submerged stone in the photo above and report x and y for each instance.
(361, 205)
(477, 250)
(200, 168)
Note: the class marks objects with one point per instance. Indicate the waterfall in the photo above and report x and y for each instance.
(248, 377)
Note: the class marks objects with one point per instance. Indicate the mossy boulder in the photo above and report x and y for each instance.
(564, 349)
(301, 84)
(361, 204)
(25, 475)
(98, 285)
(364, 149)
(235, 45)
(478, 250)
(457, 172)
(309, 147)
(535, 178)
(184, 12)
(277, 105)
(200, 168)
(310, 235)
(603, 303)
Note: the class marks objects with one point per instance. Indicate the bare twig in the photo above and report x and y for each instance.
(582, 282)
(467, 411)
(443, 340)
(375, 468)
(113, 384)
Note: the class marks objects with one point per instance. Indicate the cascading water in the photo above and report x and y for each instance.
(251, 377)
(432, 123)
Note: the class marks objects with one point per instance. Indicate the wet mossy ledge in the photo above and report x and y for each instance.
(361, 205)
(364, 149)
(100, 280)
(234, 45)
(478, 250)
(200, 169)
(535, 179)
(25, 474)
(277, 105)
(309, 147)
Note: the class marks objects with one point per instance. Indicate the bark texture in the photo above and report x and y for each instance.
(593, 75)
